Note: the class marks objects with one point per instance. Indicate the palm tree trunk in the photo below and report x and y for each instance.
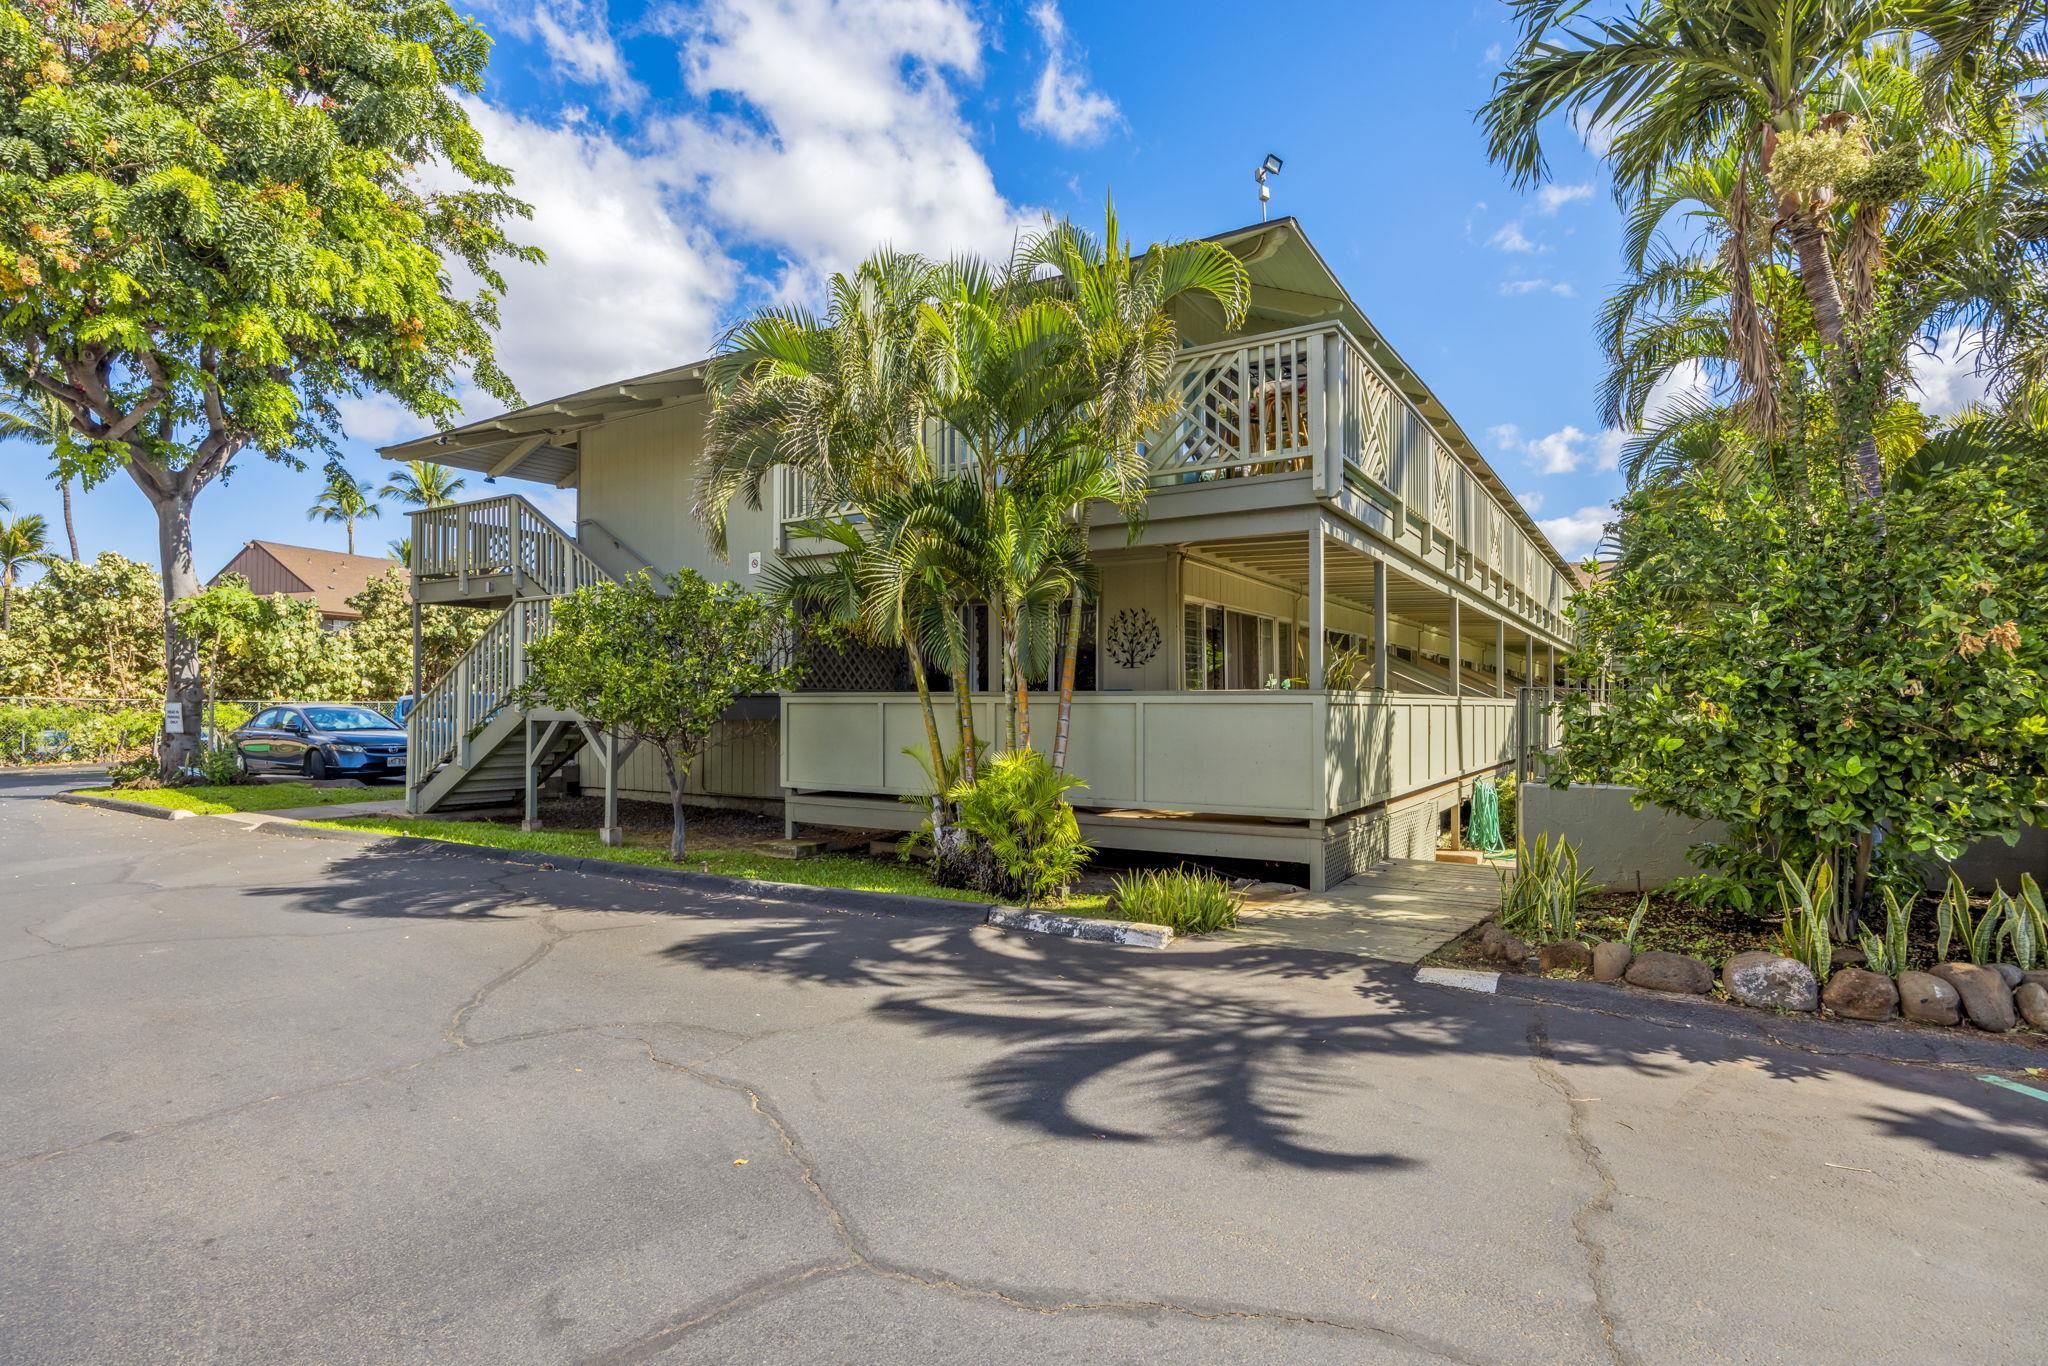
(1824, 295)
(963, 703)
(70, 529)
(931, 737)
(1066, 712)
(1020, 698)
(350, 523)
(6, 600)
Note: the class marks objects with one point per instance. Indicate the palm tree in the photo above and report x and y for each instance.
(1681, 80)
(21, 544)
(422, 484)
(1119, 310)
(401, 550)
(345, 499)
(842, 402)
(41, 418)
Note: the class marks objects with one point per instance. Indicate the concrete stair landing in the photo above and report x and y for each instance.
(1400, 911)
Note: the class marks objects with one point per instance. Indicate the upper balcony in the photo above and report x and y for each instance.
(495, 551)
(1308, 406)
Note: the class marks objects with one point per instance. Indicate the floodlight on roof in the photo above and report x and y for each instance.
(1269, 167)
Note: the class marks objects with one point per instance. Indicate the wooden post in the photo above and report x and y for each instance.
(531, 818)
(462, 689)
(462, 549)
(413, 776)
(1379, 624)
(1316, 680)
(1457, 645)
(611, 835)
(1500, 657)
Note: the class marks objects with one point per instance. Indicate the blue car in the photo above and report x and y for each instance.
(321, 740)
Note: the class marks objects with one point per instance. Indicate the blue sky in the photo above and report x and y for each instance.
(688, 160)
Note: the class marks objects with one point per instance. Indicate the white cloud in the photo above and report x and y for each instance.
(1947, 375)
(1578, 533)
(1596, 133)
(1607, 448)
(1561, 452)
(630, 284)
(376, 419)
(1063, 106)
(1551, 198)
(1538, 284)
(849, 135)
(1509, 237)
(577, 36)
(1532, 501)
(1505, 435)
(1492, 55)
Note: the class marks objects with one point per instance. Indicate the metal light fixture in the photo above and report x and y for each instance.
(1269, 167)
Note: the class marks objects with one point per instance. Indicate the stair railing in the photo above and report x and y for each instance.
(500, 536)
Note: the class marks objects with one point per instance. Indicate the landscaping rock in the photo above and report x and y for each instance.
(2032, 1001)
(1568, 954)
(1987, 1000)
(1610, 961)
(1770, 981)
(1859, 994)
(2012, 975)
(1846, 956)
(1500, 946)
(2039, 979)
(1929, 1000)
(1659, 970)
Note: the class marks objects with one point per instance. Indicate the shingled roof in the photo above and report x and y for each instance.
(325, 578)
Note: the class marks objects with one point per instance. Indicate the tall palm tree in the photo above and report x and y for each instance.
(345, 499)
(1678, 80)
(842, 402)
(21, 544)
(1119, 310)
(42, 419)
(422, 484)
(401, 550)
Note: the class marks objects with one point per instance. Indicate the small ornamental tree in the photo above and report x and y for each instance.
(217, 221)
(661, 662)
(1858, 684)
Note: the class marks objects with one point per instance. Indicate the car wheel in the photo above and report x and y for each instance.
(241, 763)
(316, 766)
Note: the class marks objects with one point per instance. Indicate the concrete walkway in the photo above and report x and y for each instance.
(1400, 911)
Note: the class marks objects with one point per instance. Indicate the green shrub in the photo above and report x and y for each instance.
(2011, 926)
(217, 767)
(1809, 905)
(1886, 953)
(68, 732)
(1635, 923)
(1540, 895)
(1024, 843)
(1188, 900)
(1509, 789)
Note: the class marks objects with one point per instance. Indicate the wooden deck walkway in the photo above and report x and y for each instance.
(1399, 911)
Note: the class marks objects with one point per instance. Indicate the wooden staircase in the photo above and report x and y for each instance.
(470, 743)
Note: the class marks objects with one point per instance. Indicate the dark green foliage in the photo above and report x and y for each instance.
(1188, 900)
(1023, 841)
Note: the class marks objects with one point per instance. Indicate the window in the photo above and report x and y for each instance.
(347, 718)
(268, 719)
(1226, 648)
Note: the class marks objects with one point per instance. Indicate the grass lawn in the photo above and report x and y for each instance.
(850, 871)
(214, 801)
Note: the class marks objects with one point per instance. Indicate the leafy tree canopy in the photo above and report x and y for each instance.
(660, 662)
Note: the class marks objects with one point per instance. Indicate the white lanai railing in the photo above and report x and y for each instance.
(503, 537)
(451, 713)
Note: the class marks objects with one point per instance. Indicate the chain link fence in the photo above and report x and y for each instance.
(69, 730)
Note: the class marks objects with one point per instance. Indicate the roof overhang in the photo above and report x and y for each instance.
(1291, 280)
(542, 442)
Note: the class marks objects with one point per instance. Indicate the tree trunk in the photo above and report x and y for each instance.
(350, 525)
(675, 802)
(932, 742)
(6, 600)
(1067, 665)
(1020, 695)
(182, 684)
(70, 528)
(1824, 294)
(963, 704)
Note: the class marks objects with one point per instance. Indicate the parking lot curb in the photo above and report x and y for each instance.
(154, 812)
(1130, 933)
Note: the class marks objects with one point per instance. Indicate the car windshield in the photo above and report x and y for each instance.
(347, 718)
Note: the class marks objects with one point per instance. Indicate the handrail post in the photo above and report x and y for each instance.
(462, 548)
(462, 690)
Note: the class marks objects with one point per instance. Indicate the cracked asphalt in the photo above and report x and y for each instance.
(269, 1098)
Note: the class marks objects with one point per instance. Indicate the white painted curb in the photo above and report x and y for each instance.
(1464, 979)
(149, 809)
(1128, 932)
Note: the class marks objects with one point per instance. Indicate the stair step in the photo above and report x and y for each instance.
(791, 849)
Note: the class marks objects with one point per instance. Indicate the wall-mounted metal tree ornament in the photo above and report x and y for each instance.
(1132, 638)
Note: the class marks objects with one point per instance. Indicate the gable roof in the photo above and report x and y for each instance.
(327, 578)
(1291, 284)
